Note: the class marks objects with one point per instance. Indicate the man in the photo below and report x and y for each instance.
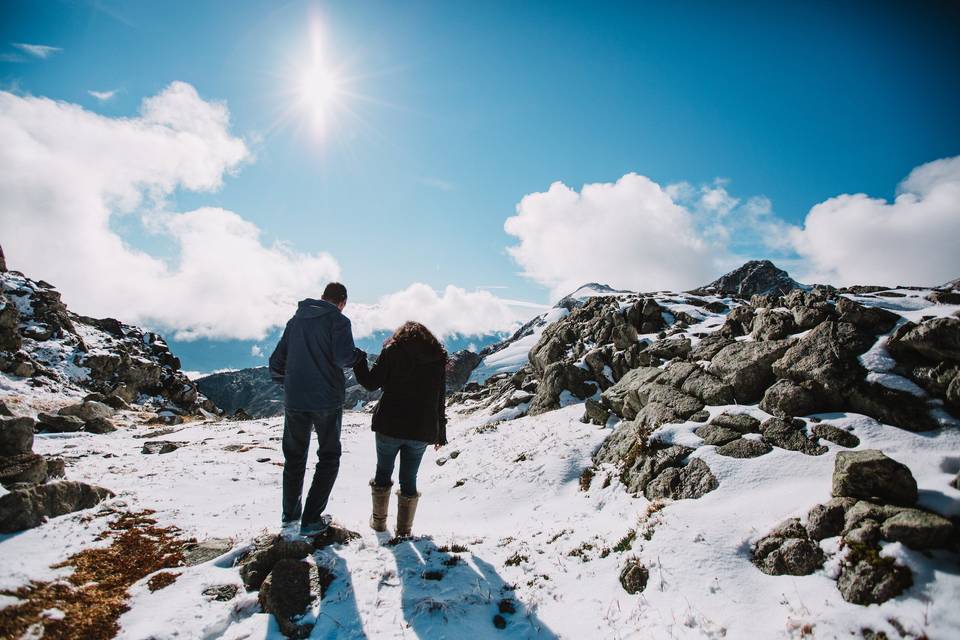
(317, 344)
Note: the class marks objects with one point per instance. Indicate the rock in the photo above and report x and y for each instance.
(679, 483)
(871, 474)
(16, 436)
(616, 396)
(826, 358)
(640, 462)
(676, 373)
(873, 320)
(739, 322)
(741, 422)
(708, 347)
(835, 435)
(285, 593)
(790, 435)
(756, 277)
(222, 592)
(160, 446)
(867, 578)
(700, 416)
(595, 412)
(788, 550)
(708, 388)
(459, 367)
(5, 410)
(787, 398)
(634, 576)
(773, 324)
(715, 435)
(863, 510)
(336, 534)
(58, 424)
(654, 414)
(56, 468)
(944, 297)
(747, 367)
(87, 411)
(682, 404)
(116, 402)
(937, 339)
(26, 467)
(744, 448)
(557, 378)
(99, 425)
(670, 348)
(867, 532)
(918, 529)
(826, 520)
(267, 551)
(808, 317)
(646, 315)
(206, 550)
(28, 507)
(891, 406)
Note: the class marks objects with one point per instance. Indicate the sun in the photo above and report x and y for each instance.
(319, 92)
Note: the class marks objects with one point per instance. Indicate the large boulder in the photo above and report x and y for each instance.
(868, 578)
(29, 507)
(88, 410)
(870, 474)
(873, 320)
(557, 378)
(747, 366)
(826, 520)
(16, 436)
(708, 388)
(891, 406)
(670, 348)
(937, 339)
(708, 347)
(646, 316)
(679, 483)
(741, 422)
(616, 397)
(826, 358)
(773, 324)
(918, 529)
(744, 448)
(739, 322)
(790, 435)
(51, 423)
(786, 398)
(28, 468)
(715, 435)
(267, 551)
(788, 550)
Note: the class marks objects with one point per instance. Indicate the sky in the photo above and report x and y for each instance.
(198, 167)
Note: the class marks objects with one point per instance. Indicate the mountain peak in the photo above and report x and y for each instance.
(752, 278)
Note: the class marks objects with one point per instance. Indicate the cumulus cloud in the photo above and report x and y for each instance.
(68, 176)
(629, 234)
(454, 311)
(256, 351)
(103, 96)
(716, 199)
(41, 51)
(856, 239)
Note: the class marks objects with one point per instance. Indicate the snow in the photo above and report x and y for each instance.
(513, 489)
(516, 354)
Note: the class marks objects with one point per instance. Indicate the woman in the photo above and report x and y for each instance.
(411, 370)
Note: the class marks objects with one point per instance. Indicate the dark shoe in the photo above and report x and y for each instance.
(316, 529)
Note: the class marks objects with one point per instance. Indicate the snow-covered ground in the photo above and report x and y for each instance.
(510, 496)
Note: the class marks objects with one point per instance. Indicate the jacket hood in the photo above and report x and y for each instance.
(311, 308)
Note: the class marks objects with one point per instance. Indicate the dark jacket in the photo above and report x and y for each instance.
(413, 379)
(317, 344)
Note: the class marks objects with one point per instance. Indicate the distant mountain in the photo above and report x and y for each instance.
(756, 277)
(253, 392)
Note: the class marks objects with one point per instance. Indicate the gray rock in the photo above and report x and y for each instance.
(654, 414)
(773, 324)
(708, 388)
(865, 510)
(808, 317)
(708, 347)
(56, 468)
(679, 483)
(937, 339)
(744, 448)
(222, 592)
(557, 378)
(835, 435)
(739, 322)
(29, 507)
(742, 422)
(715, 435)
(58, 424)
(206, 550)
(88, 410)
(790, 435)
(891, 406)
(28, 468)
(788, 550)
(160, 446)
(670, 348)
(826, 520)
(866, 578)
(700, 416)
(867, 532)
(634, 576)
(826, 357)
(871, 474)
(918, 529)
(285, 593)
(99, 425)
(616, 396)
(684, 405)
(747, 367)
(595, 412)
(16, 436)
(787, 398)
(267, 551)
(676, 373)
(874, 320)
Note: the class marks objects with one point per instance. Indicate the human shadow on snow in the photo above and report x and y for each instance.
(339, 615)
(446, 594)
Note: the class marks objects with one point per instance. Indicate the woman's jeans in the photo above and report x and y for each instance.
(411, 452)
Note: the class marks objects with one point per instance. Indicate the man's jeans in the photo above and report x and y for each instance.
(296, 441)
(411, 452)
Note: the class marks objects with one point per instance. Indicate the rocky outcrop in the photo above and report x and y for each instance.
(748, 367)
(788, 550)
(459, 367)
(869, 474)
(755, 277)
(31, 506)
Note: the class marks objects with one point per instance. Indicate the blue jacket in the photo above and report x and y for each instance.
(316, 346)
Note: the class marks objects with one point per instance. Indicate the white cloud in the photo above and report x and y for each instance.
(717, 200)
(629, 234)
(103, 96)
(455, 311)
(68, 175)
(256, 351)
(41, 51)
(856, 239)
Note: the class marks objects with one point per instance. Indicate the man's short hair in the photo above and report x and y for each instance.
(335, 293)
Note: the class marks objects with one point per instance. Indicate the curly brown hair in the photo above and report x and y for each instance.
(416, 332)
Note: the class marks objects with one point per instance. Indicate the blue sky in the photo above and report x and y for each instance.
(462, 109)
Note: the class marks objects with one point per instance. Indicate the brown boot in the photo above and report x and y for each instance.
(381, 505)
(406, 509)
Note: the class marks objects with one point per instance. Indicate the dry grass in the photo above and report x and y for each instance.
(94, 596)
